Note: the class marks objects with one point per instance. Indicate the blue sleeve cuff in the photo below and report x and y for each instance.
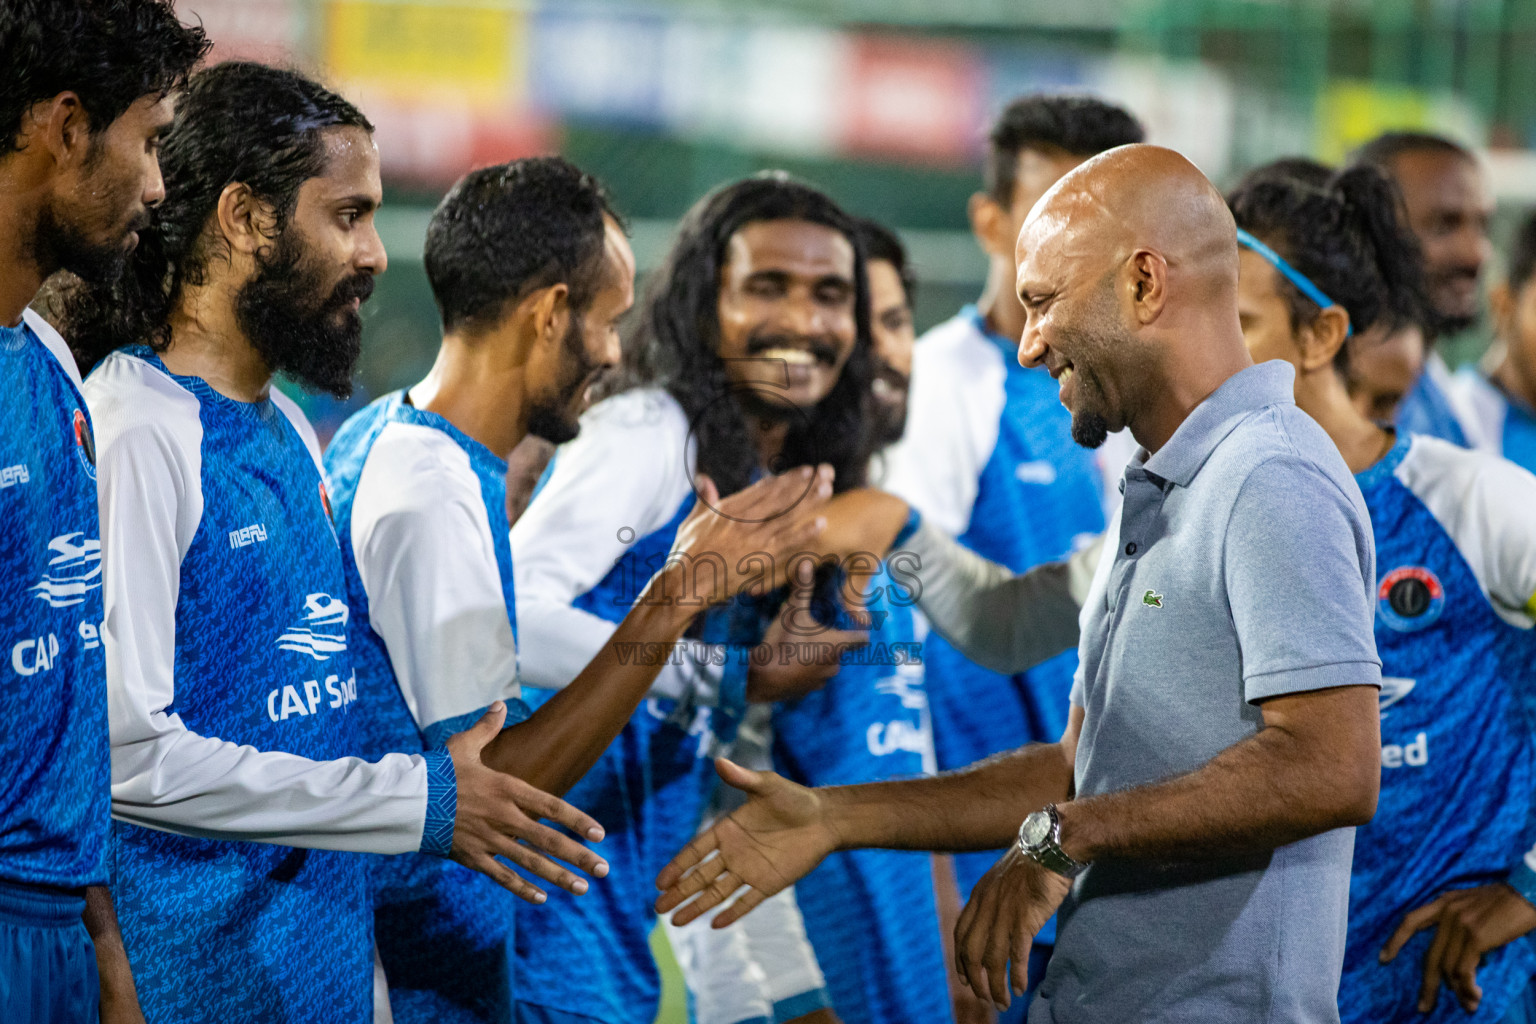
(914, 520)
(733, 679)
(1523, 881)
(437, 734)
(442, 804)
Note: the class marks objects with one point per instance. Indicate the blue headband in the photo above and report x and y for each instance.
(1301, 281)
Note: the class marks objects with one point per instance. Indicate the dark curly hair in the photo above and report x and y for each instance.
(235, 122)
(504, 231)
(676, 345)
(1347, 236)
(108, 52)
(1080, 125)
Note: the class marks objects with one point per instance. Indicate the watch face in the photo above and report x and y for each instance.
(1036, 829)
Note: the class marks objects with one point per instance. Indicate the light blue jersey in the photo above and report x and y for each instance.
(232, 697)
(599, 527)
(1456, 564)
(54, 811)
(988, 457)
(871, 914)
(1503, 426)
(421, 512)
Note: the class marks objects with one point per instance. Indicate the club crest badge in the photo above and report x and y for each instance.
(85, 443)
(1410, 598)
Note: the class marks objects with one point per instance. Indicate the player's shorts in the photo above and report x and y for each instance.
(47, 960)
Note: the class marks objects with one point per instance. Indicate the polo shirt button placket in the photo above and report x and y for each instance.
(1130, 549)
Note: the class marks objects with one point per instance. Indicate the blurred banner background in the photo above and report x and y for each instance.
(882, 102)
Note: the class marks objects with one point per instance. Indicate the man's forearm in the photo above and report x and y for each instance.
(561, 741)
(1271, 789)
(1005, 621)
(1001, 620)
(977, 808)
(862, 521)
(119, 998)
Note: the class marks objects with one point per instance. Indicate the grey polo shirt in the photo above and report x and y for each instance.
(1242, 570)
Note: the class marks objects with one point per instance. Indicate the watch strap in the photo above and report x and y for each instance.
(1048, 852)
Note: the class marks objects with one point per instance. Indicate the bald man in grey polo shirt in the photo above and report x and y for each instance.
(1197, 815)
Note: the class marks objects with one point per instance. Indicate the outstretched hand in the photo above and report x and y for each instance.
(498, 816)
(768, 844)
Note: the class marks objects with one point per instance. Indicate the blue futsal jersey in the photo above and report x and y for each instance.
(988, 457)
(600, 526)
(870, 914)
(1429, 409)
(1456, 592)
(54, 811)
(1502, 425)
(421, 509)
(232, 698)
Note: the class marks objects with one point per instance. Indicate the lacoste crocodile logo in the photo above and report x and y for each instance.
(1152, 598)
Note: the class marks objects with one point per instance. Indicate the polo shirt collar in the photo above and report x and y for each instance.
(1245, 392)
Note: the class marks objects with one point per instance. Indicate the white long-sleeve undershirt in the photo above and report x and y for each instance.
(165, 776)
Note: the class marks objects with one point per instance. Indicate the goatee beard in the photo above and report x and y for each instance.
(316, 339)
(1089, 429)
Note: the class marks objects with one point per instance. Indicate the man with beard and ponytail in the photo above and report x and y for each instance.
(531, 272)
(1194, 823)
(752, 355)
(229, 678)
(83, 103)
(871, 916)
(1442, 885)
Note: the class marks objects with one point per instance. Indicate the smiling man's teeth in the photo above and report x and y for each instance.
(1066, 375)
(794, 356)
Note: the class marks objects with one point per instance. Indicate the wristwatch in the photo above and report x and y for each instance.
(1040, 841)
